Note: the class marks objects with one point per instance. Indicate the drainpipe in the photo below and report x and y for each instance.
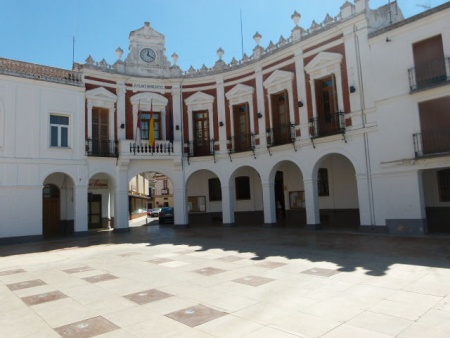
(363, 120)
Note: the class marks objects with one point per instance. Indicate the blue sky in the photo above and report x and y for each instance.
(42, 31)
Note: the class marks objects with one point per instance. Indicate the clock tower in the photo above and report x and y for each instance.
(147, 55)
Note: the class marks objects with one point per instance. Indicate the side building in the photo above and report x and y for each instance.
(340, 125)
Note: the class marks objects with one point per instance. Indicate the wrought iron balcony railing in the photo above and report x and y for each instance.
(429, 75)
(431, 143)
(201, 148)
(242, 142)
(330, 124)
(102, 148)
(160, 148)
(284, 134)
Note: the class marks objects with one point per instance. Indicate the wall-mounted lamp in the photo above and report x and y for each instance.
(221, 123)
(122, 126)
(352, 89)
(388, 40)
(177, 127)
(300, 103)
(259, 115)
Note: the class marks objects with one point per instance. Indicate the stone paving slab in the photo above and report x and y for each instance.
(226, 282)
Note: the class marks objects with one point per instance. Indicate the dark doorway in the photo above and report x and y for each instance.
(279, 195)
(51, 218)
(94, 211)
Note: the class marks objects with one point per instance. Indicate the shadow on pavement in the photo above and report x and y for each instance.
(374, 253)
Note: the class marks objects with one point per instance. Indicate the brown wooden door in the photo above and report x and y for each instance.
(242, 139)
(280, 118)
(100, 131)
(326, 106)
(51, 217)
(429, 61)
(435, 125)
(201, 133)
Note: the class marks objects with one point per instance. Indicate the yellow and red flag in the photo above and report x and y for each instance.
(151, 128)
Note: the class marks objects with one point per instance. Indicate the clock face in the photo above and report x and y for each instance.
(148, 55)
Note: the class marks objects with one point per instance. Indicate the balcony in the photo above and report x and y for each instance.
(429, 144)
(102, 148)
(429, 75)
(161, 148)
(284, 134)
(242, 142)
(330, 124)
(198, 148)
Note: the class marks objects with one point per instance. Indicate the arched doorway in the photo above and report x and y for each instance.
(51, 214)
(58, 207)
(338, 201)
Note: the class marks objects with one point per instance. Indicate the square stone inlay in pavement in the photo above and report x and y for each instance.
(99, 278)
(87, 328)
(195, 315)
(253, 280)
(80, 269)
(230, 258)
(11, 272)
(270, 265)
(209, 271)
(147, 296)
(43, 298)
(160, 260)
(26, 284)
(321, 272)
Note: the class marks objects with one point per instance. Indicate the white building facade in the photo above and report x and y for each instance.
(343, 124)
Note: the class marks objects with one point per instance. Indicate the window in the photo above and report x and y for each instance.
(322, 182)
(326, 97)
(242, 140)
(59, 131)
(296, 199)
(444, 185)
(280, 115)
(242, 184)
(145, 125)
(429, 61)
(100, 124)
(215, 192)
(196, 204)
(435, 124)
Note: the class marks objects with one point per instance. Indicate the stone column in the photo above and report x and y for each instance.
(228, 205)
(121, 221)
(269, 203)
(312, 204)
(81, 208)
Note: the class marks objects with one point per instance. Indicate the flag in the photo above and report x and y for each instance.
(151, 127)
(170, 117)
(137, 137)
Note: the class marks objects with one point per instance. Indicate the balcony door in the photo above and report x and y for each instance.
(201, 133)
(435, 125)
(242, 137)
(280, 118)
(326, 105)
(100, 131)
(429, 61)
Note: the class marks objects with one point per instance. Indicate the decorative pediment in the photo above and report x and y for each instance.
(278, 77)
(323, 60)
(147, 34)
(100, 94)
(198, 98)
(145, 100)
(240, 90)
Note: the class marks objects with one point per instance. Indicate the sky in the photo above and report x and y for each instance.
(44, 31)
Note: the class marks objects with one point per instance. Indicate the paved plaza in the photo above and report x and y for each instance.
(210, 281)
